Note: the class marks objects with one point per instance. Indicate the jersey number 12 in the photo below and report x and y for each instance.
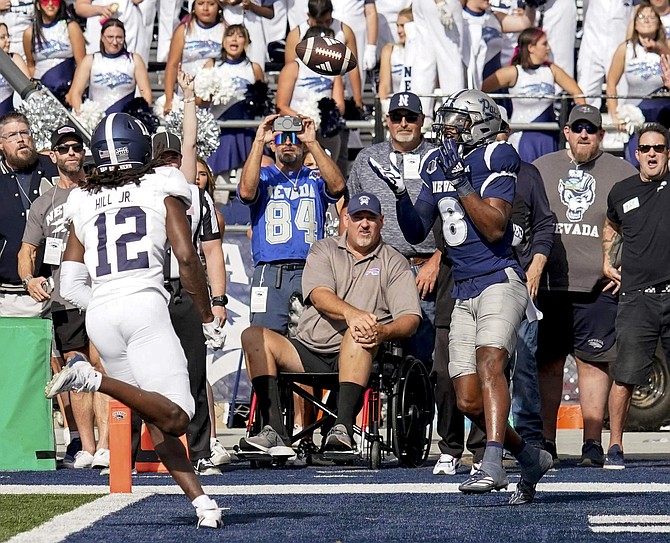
(121, 241)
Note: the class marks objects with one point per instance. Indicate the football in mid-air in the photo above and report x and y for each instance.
(326, 56)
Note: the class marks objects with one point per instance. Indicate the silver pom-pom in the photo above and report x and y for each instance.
(44, 114)
(208, 130)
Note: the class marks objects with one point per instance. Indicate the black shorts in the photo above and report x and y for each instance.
(69, 330)
(641, 321)
(315, 362)
(577, 323)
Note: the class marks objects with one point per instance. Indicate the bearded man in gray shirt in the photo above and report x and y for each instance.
(402, 156)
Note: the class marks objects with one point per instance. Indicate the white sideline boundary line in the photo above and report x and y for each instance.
(331, 489)
(62, 526)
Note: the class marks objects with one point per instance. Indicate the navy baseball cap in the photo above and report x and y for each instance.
(364, 201)
(405, 100)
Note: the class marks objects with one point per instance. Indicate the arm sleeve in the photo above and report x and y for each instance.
(318, 270)
(175, 184)
(33, 233)
(612, 213)
(75, 284)
(209, 225)
(541, 218)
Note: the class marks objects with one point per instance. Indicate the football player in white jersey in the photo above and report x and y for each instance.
(122, 218)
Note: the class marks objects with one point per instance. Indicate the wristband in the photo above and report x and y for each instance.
(220, 301)
(464, 188)
(189, 100)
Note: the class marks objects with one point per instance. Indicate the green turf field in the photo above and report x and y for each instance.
(23, 512)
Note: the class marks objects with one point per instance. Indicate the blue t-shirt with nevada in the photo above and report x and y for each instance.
(477, 263)
(288, 214)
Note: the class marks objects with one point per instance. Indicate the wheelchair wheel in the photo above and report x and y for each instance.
(413, 410)
(375, 455)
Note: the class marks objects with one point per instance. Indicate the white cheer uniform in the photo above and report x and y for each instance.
(605, 26)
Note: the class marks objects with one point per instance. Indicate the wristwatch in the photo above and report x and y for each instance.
(26, 280)
(221, 301)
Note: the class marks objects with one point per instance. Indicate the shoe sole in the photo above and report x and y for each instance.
(445, 471)
(482, 490)
(614, 467)
(51, 390)
(589, 463)
(220, 461)
(204, 523)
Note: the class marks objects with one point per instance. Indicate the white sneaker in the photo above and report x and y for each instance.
(475, 467)
(83, 459)
(209, 518)
(77, 375)
(446, 465)
(101, 459)
(220, 455)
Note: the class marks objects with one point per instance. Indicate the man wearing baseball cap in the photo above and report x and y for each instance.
(336, 332)
(577, 300)
(44, 228)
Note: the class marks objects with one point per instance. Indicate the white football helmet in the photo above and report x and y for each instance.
(472, 114)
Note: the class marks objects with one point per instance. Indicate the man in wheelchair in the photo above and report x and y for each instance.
(359, 292)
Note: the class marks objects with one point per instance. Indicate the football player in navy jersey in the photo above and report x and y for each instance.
(469, 180)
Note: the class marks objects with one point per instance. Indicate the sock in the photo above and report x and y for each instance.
(74, 435)
(492, 460)
(204, 502)
(348, 401)
(533, 465)
(267, 394)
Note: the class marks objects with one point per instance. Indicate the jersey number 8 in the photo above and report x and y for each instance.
(454, 227)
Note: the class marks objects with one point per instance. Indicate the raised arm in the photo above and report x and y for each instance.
(330, 173)
(172, 66)
(190, 128)
(246, 189)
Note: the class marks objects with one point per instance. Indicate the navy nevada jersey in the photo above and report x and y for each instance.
(493, 171)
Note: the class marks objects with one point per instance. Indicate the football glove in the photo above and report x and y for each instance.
(454, 169)
(215, 337)
(390, 175)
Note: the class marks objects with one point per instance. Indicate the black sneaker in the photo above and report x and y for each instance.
(592, 453)
(550, 447)
(614, 458)
(338, 439)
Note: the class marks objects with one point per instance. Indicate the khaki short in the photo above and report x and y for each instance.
(489, 320)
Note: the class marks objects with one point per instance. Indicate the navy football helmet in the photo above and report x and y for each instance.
(120, 142)
(473, 115)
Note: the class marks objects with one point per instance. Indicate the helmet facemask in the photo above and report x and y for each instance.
(452, 123)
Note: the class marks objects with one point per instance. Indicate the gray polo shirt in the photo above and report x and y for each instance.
(362, 178)
(381, 283)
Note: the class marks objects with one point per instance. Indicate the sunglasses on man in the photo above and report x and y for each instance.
(64, 148)
(287, 137)
(396, 117)
(659, 148)
(590, 128)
